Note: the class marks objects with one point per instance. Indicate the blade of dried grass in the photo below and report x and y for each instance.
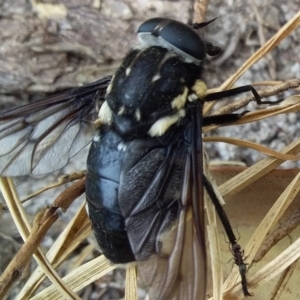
(81, 257)
(76, 231)
(200, 7)
(291, 104)
(251, 145)
(61, 180)
(215, 253)
(67, 197)
(273, 83)
(21, 259)
(266, 48)
(285, 31)
(79, 278)
(283, 281)
(278, 234)
(208, 175)
(240, 181)
(131, 283)
(212, 234)
(13, 204)
(12, 200)
(270, 219)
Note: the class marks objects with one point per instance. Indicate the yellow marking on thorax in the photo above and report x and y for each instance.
(105, 114)
(163, 124)
(179, 101)
(110, 86)
(199, 88)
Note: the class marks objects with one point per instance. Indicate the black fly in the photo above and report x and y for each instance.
(144, 184)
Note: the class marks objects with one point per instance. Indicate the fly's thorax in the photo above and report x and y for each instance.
(150, 91)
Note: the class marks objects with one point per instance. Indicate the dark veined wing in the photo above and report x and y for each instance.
(164, 226)
(41, 137)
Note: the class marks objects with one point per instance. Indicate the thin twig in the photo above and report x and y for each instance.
(200, 7)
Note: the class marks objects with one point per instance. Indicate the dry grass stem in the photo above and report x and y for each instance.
(265, 226)
(65, 199)
(30, 248)
(213, 236)
(82, 257)
(251, 145)
(131, 283)
(283, 281)
(200, 7)
(275, 89)
(214, 249)
(278, 234)
(79, 278)
(291, 104)
(13, 203)
(76, 231)
(21, 259)
(285, 31)
(61, 180)
(237, 183)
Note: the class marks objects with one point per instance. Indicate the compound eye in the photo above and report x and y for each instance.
(149, 26)
(175, 35)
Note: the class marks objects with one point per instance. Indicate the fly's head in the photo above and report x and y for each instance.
(156, 81)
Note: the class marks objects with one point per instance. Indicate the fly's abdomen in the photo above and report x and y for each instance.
(102, 184)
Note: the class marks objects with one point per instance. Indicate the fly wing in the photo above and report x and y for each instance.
(160, 218)
(180, 273)
(41, 137)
